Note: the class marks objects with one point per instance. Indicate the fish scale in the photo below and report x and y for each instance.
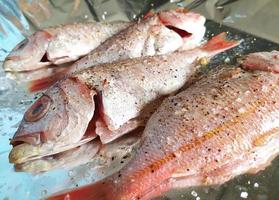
(191, 146)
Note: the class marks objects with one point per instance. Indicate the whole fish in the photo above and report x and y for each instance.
(58, 45)
(107, 100)
(161, 33)
(222, 126)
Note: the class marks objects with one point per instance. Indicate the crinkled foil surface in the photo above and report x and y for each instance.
(18, 19)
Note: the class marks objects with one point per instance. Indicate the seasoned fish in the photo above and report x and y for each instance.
(161, 33)
(107, 100)
(61, 44)
(222, 126)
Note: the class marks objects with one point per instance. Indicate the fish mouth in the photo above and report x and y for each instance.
(12, 58)
(32, 146)
(23, 152)
(16, 64)
(32, 139)
(94, 152)
(44, 58)
(66, 159)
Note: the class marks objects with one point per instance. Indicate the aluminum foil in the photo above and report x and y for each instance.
(19, 19)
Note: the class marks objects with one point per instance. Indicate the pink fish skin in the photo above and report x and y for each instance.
(113, 98)
(222, 126)
(57, 45)
(159, 34)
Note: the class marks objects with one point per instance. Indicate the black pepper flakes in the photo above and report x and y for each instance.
(126, 156)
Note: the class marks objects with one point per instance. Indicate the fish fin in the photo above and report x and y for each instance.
(219, 43)
(97, 191)
(46, 82)
(264, 61)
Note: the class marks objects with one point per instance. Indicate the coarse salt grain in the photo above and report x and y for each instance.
(194, 193)
(244, 195)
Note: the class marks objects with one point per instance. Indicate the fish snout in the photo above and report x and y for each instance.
(30, 54)
(26, 145)
(27, 137)
(23, 152)
(10, 64)
(11, 58)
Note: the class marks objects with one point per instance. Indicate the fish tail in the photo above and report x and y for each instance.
(219, 43)
(96, 191)
(46, 82)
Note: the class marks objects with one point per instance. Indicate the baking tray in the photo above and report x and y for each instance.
(19, 185)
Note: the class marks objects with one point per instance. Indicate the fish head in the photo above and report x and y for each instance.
(188, 25)
(30, 54)
(32, 129)
(56, 122)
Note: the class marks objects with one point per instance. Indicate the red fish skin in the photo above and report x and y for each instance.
(222, 126)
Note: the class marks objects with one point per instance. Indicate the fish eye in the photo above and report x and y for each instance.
(38, 109)
(22, 44)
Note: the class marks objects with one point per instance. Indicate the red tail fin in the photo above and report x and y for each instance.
(219, 43)
(44, 83)
(97, 191)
